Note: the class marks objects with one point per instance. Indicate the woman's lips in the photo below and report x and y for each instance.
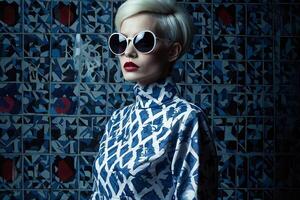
(130, 67)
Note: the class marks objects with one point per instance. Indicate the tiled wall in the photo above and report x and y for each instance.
(59, 85)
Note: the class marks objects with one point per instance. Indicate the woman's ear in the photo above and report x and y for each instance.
(174, 51)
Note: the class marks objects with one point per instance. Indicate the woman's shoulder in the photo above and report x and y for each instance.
(188, 107)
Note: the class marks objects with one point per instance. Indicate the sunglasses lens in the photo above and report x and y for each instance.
(144, 42)
(117, 43)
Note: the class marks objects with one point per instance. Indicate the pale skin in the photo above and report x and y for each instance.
(152, 66)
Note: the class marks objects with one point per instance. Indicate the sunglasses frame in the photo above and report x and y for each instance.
(128, 39)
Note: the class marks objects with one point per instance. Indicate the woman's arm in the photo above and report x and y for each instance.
(195, 160)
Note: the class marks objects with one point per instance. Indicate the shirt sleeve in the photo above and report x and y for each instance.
(194, 163)
(101, 151)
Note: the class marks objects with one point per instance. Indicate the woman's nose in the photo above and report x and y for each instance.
(130, 50)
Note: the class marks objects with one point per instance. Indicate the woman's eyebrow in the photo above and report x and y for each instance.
(126, 35)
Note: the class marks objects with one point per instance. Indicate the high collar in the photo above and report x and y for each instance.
(155, 94)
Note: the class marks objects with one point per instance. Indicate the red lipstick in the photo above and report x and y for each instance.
(130, 67)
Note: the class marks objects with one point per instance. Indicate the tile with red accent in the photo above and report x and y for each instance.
(65, 16)
(11, 98)
(229, 19)
(64, 99)
(10, 172)
(11, 16)
(65, 174)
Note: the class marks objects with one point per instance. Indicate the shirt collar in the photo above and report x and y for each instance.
(155, 94)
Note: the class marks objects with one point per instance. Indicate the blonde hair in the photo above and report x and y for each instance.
(170, 17)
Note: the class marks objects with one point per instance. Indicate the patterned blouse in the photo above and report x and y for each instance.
(160, 147)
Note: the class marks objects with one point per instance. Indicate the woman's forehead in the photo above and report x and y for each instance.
(138, 23)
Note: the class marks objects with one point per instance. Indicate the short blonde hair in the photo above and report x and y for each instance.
(171, 17)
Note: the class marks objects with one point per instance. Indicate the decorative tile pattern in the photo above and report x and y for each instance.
(255, 100)
(64, 176)
(259, 19)
(10, 132)
(36, 98)
(86, 169)
(37, 174)
(200, 95)
(96, 16)
(254, 135)
(228, 132)
(11, 16)
(228, 47)
(36, 134)
(92, 99)
(229, 100)
(227, 72)
(64, 70)
(86, 195)
(36, 194)
(202, 17)
(11, 45)
(11, 172)
(37, 16)
(11, 194)
(91, 130)
(62, 194)
(198, 71)
(62, 45)
(64, 136)
(289, 48)
(36, 70)
(118, 96)
(227, 172)
(201, 48)
(259, 48)
(11, 98)
(242, 174)
(36, 45)
(114, 71)
(10, 70)
(60, 84)
(229, 19)
(64, 99)
(65, 16)
(290, 20)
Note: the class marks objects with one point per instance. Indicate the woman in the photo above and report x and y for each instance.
(159, 147)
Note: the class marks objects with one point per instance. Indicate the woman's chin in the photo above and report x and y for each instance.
(130, 78)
